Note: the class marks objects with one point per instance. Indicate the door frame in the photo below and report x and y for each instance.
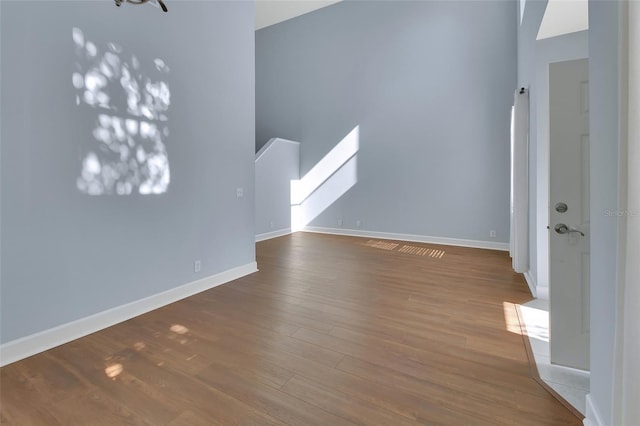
(626, 368)
(555, 49)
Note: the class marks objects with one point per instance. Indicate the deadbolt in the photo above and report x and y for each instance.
(561, 207)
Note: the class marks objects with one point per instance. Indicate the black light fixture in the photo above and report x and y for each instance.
(160, 2)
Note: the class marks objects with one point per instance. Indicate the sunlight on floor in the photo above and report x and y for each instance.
(511, 321)
(537, 321)
(406, 249)
(114, 370)
(382, 245)
(422, 251)
(573, 385)
(179, 329)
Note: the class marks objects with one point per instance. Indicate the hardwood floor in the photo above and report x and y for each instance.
(332, 330)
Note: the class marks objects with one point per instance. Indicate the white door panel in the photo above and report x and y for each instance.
(569, 185)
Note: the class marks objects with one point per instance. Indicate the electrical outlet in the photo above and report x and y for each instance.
(239, 192)
(272, 225)
(197, 265)
(358, 224)
(339, 222)
(492, 233)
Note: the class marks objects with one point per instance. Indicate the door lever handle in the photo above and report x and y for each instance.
(561, 228)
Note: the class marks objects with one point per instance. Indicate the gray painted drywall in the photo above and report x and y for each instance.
(527, 32)
(605, 142)
(277, 164)
(67, 255)
(431, 86)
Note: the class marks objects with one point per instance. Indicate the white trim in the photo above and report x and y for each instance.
(39, 342)
(519, 200)
(542, 292)
(409, 237)
(531, 282)
(272, 142)
(592, 417)
(626, 389)
(273, 234)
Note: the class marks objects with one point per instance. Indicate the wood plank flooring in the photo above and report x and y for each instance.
(332, 331)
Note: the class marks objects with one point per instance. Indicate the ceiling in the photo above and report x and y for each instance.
(561, 16)
(269, 12)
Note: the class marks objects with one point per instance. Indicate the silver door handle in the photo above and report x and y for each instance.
(561, 228)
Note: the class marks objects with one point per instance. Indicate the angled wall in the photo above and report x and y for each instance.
(277, 164)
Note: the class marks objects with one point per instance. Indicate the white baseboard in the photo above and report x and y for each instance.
(531, 282)
(409, 237)
(592, 417)
(273, 234)
(39, 342)
(542, 292)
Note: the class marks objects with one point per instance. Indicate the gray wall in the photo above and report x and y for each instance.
(603, 76)
(527, 33)
(431, 86)
(66, 255)
(277, 164)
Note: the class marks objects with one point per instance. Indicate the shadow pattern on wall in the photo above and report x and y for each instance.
(127, 154)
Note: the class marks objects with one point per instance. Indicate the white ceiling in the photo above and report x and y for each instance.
(560, 17)
(269, 12)
(564, 17)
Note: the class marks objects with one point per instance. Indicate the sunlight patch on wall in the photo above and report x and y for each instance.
(127, 153)
(326, 182)
(348, 147)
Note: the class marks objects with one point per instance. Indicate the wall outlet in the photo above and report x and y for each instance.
(492, 233)
(239, 192)
(272, 225)
(197, 265)
(358, 224)
(339, 222)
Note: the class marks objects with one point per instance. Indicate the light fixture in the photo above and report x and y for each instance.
(160, 2)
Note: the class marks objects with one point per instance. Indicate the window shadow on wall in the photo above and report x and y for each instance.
(125, 153)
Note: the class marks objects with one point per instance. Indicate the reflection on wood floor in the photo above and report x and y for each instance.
(331, 331)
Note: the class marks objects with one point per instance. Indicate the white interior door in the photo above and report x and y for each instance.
(569, 213)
